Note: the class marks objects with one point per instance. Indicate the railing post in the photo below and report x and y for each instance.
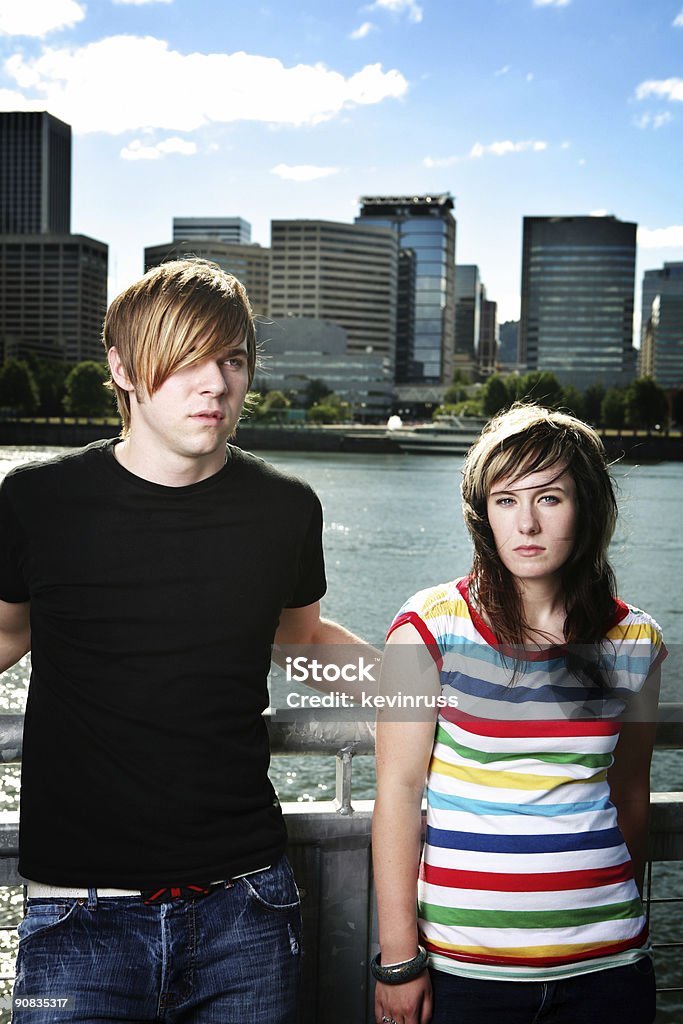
(342, 796)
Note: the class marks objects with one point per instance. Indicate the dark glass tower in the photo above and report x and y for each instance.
(426, 226)
(35, 174)
(578, 276)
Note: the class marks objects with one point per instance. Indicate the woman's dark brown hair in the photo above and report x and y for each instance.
(524, 440)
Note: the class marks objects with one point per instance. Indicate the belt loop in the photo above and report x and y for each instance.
(92, 898)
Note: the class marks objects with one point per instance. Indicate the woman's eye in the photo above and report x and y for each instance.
(549, 499)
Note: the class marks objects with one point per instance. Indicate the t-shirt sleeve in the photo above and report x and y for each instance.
(311, 583)
(417, 612)
(13, 587)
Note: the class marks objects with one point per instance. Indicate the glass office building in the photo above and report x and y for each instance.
(578, 276)
(425, 225)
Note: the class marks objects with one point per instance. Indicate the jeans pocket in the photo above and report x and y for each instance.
(274, 889)
(44, 916)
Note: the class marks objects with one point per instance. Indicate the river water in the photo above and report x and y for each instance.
(392, 527)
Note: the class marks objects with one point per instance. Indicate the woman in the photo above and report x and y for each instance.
(544, 689)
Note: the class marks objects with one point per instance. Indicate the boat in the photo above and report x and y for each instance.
(445, 435)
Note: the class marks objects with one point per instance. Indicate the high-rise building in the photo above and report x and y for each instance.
(577, 298)
(467, 315)
(661, 355)
(343, 273)
(231, 230)
(35, 174)
(508, 335)
(250, 264)
(667, 280)
(426, 226)
(53, 285)
(488, 335)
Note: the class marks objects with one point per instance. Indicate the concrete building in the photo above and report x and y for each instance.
(35, 174)
(250, 264)
(661, 355)
(667, 280)
(577, 299)
(298, 350)
(345, 274)
(231, 230)
(53, 285)
(426, 226)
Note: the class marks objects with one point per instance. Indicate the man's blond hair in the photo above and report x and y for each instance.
(177, 314)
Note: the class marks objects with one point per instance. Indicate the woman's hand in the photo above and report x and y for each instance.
(408, 1003)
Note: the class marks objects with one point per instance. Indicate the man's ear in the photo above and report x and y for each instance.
(118, 373)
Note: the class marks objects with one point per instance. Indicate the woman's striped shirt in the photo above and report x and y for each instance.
(524, 873)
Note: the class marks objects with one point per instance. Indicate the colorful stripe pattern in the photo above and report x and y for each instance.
(525, 873)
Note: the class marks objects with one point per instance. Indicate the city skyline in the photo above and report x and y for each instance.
(517, 107)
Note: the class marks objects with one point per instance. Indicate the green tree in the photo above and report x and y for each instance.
(646, 404)
(542, 387)
(18, 389)
(332, 410)
(573, 400)
(84, 390)
(613, 408)
(496, 395)
(316, 390)
(454, 393)
(460, 377)
(593, 403)
(513, 385)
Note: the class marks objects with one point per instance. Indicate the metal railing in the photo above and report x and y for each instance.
(329, 846)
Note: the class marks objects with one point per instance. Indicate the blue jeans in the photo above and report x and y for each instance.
(231, 957)
(618, 995)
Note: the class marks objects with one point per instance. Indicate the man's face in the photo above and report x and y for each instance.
(196, 409)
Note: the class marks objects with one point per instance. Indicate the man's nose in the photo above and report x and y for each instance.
(211, 378)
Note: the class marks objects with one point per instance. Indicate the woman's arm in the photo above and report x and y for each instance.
(629, 776)
(404, 744)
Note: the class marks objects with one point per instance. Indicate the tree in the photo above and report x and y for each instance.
(50, 376)
(454, 394)
(84, 390)
(646, 404)
(316, 390)
(593, 403)
(495, 395)
(18, 389)
(613, 408)
(573, 400)
(333, 410)
(541, 387)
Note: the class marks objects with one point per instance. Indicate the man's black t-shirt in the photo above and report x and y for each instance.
(153, 610)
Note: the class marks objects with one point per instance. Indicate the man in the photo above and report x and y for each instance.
(159, 568)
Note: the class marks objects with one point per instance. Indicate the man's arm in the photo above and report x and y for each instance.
(304, 626)
(15, 633)
(629, 776)
(302, 633)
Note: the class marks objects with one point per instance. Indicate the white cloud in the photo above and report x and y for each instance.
(140, 3)
(678, 20)
(661, 238)
(502, 71)
(551, 3)
(38, 17)
(409, 7)
(530, 76)
(666, 88)
(478, 150)
(77, 84)
(598, 213)
(363, 30)
(139, 150)
(302, 172)
(653, 120)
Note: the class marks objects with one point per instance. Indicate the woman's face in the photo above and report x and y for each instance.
(533, 520)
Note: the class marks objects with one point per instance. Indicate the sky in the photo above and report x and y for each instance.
(297, 109)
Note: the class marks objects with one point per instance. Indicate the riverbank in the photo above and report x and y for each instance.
(351, 438)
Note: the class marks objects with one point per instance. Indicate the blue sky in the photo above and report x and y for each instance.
(296, 109)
